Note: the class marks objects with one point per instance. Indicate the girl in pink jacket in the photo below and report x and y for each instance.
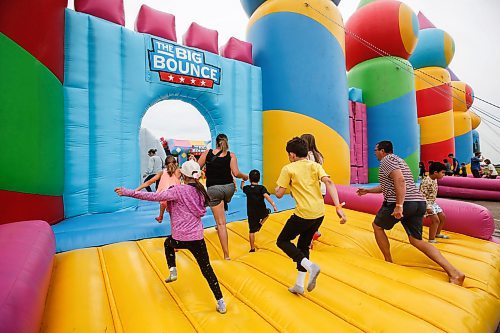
(187, 203)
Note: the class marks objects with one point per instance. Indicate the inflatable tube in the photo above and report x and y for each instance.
(27, 250)
(435, 48)
(468, 193)
(471, 183)
(462, 217)
(435, 114)
(388, 25)
(304, 90)
(391, 108)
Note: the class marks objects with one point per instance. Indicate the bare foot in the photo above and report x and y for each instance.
(227, 258)
(159, 219)
(458, 279)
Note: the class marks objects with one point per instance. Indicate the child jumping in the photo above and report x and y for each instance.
(429, 189)
(256, 208)
(170, 176)
(188, 202)
(302, 177)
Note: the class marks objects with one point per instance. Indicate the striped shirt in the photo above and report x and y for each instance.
(390, 163)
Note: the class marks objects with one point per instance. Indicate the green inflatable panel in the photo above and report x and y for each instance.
(412, 162)
(387, 77)
(31, 124)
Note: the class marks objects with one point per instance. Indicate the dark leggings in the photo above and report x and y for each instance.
(199, 250)
(305, 229)
(148, 188)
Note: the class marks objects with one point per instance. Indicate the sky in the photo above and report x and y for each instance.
(472, 24)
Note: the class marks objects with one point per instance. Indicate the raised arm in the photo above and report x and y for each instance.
(235, 170)
(363, 191)
(168, 195)
(203, 159)
(149, 182)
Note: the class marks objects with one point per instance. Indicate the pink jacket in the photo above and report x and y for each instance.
(187, 209)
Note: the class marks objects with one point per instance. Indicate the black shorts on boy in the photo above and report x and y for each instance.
(254, 222)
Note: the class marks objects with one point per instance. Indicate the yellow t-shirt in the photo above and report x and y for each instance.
(301, 177)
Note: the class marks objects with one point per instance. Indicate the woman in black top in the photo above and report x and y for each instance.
(222, 167)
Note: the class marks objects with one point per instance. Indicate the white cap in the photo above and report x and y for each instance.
(191, 169)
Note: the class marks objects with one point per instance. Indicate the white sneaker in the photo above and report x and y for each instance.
(297, 290)
(173, 275)
(433, 241)
(313, 275)
(221, 306)
(442, 236)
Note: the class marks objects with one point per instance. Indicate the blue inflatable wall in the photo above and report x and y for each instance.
(111, 79)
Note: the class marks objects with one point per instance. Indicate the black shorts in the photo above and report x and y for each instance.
(254, 221)
(413, 216)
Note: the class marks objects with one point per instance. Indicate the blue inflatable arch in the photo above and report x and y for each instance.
(112, 77)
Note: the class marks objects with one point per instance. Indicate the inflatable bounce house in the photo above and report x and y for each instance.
(75, 257)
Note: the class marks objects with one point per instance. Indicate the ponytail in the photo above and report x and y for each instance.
(311, 146)
(222, 142)
(223, 145)
(171, 165)
(201, 189)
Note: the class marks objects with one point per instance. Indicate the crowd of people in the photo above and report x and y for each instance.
(479, 167)
(185, 198)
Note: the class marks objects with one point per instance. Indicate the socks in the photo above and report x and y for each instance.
(301, 279)
(306, 263)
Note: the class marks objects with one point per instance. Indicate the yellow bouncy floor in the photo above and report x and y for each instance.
(120, 288)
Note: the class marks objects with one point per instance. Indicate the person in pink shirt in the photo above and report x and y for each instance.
(169, 176)
(187, 203)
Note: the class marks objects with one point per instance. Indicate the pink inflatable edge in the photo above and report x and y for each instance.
(201, 38)
(109, 10)
(27, 253)
(471, 183)
(156, 23)
(467, 193)
(462, 217)
(238, 50)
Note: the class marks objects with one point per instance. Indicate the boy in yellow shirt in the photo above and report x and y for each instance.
(302, 177)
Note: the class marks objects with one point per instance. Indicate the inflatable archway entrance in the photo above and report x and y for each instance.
(113, 75)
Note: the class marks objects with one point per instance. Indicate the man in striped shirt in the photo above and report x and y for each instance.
(402, 202)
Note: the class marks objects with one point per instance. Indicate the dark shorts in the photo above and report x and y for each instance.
(413, 216)
(254, 221)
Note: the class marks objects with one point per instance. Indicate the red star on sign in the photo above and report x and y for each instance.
(186, 80)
